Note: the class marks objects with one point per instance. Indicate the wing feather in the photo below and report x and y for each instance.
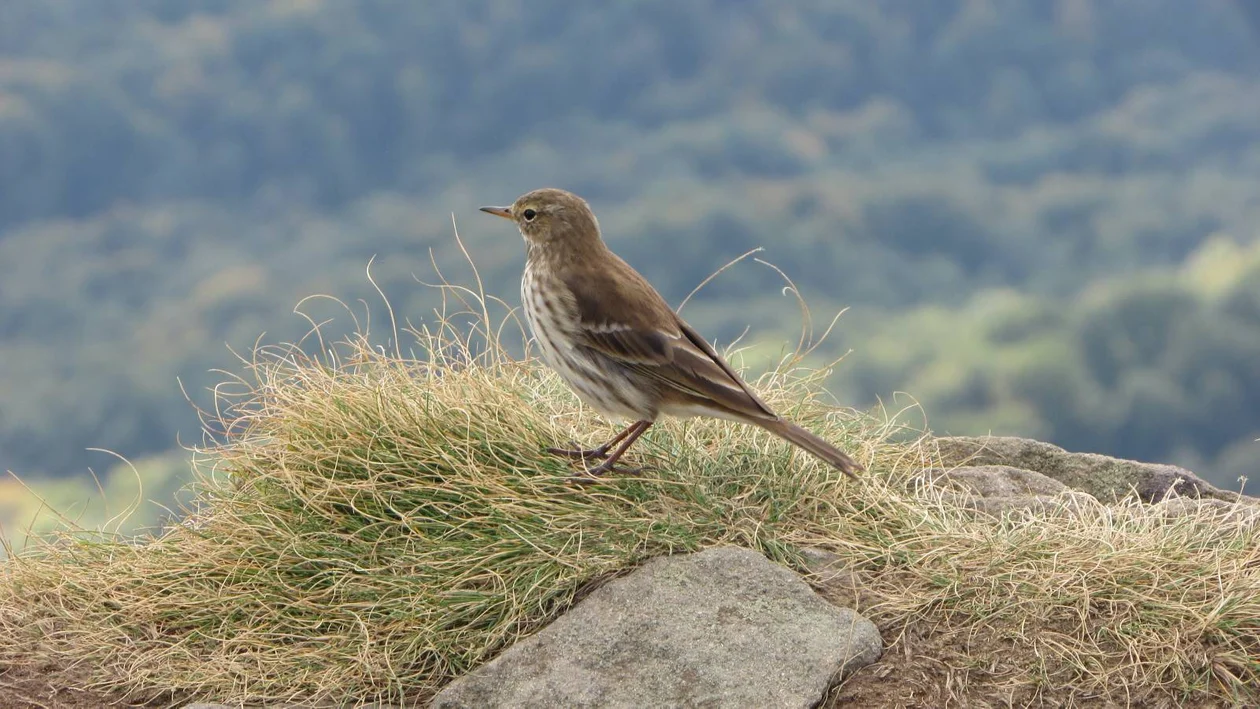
(652, 340)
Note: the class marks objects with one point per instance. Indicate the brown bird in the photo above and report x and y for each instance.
(616, 342)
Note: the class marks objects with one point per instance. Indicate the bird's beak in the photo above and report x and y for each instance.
(504, 212)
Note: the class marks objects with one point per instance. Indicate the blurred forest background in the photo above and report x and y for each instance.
(1044, 216)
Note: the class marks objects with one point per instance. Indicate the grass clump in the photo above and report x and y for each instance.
(371, 525)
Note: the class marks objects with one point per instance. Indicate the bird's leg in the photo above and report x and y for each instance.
(593, 453)
(631, 435)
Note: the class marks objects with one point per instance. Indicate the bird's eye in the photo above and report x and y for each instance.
(529, 215)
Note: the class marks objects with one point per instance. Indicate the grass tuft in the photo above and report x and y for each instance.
(368, 526)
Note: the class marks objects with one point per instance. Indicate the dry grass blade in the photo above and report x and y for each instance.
(370, 526)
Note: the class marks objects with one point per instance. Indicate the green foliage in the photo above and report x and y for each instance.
(1156, 366)
(122, 499)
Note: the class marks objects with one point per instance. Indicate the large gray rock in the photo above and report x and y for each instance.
(721, 628)
(1207, 509)
(995, 489)
(1105, 478)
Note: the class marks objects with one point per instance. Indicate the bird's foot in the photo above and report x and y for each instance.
(581, 453)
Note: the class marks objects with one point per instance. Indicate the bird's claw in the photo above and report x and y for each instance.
(581, 453)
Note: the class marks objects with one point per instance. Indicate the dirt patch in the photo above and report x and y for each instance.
(29, 685)
(926, 669)
(44, 685)
(936, 665)
(982, 670)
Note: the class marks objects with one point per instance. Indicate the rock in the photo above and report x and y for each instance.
(1106, 479)
(996, 481)
(995, 489)
(1218, 510)
(721, 628)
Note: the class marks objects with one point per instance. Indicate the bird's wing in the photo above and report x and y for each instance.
(644, 334)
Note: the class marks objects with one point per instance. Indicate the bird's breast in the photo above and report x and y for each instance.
(552, 315)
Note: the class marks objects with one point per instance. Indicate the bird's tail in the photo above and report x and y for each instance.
(798, 436)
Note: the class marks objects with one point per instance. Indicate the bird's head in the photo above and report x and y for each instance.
(552, 219)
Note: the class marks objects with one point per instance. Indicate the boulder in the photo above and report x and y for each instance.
(721, 628)
(1216, 510)
(995, 489)
(1107, 479)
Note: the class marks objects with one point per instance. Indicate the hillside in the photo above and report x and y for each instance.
(372, 526)
(1041, 216)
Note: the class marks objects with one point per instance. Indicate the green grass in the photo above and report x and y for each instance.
(369, 526)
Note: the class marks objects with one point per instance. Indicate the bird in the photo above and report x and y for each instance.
(615, 341)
